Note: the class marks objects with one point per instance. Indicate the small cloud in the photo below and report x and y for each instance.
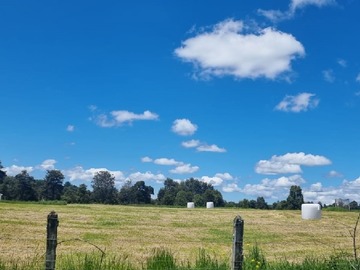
(301, 102)
(146, 159)
(329, 75)
(184, 169)
(227, 51)
(184, 127)
(70, 128)
(358, 78)
(166, 161)
(334, 174)
(118, 118)
(147, 176)
(231, 188)
(48, 164)
(342, 63)
(191, 143)
(210, 148)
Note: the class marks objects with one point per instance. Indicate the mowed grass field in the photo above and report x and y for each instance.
(135, 232)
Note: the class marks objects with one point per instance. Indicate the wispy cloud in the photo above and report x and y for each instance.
(118, 118)
(203, 147)
(294, 6)
(70, 128)
(329, 75)
(299, 103)
(358, 78)
(289, 163)
(226, 50)
(147, 176)
(183, 127)
(14, 169)
(48, 164)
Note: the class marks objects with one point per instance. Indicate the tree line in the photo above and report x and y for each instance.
(24, 187)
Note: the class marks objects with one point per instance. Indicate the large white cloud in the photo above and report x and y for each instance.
(301, 102)
(118, 118)
(147, 176)
(166, 161)
(290, 163)
(14, 169)
(228, 50)
(79, 173)
(184, 127)
(217, 179)
(48, 164)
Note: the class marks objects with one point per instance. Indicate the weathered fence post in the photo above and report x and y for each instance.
(237, 250)
(51, 240)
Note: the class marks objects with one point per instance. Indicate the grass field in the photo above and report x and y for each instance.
(134, 232)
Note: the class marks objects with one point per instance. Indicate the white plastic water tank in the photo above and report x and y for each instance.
(209, 205)
(190, 205)
(311, 211)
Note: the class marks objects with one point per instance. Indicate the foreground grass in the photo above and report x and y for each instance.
(128, 235)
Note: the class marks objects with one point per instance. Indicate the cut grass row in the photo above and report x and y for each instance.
(134, 232)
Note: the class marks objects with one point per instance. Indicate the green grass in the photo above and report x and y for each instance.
(134, 232)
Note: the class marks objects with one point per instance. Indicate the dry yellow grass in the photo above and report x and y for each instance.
(136, 231)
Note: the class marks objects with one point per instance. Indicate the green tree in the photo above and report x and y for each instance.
(261, 203)
(53, 185)
(70, 193)
(125, 194)
(84, 194)
(142, 193)
(167, 194)
(244, 203)
(24, 189)
(2, 174)
(104, 190)
(183, 197)
(295, 198)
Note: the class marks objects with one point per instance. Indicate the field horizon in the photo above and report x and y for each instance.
(135, 231)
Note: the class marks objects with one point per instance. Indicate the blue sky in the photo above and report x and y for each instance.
(250, 96)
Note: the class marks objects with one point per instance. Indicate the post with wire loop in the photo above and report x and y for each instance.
(51, 241)
(237, 250)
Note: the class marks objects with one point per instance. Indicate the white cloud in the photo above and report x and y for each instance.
(226, 50)
(342, 63)
(358, 78)
(70, 128)
(190, 144)
(147, 176)
(48, 164)
(184, 168)
(272, 188)
(146, 159)
(203, 147)
(334, 174)
(14, 169)
(167, 161)
(231, 188)
(289, 163)
(299, 4)
(301, 102)
(329, 75)
(210, 148)
(184, 127)
(218, 179)
(79, 173)
(118, 118)
(277, 15)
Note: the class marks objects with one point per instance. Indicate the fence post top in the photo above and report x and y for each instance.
(238, 220)
(53, 214)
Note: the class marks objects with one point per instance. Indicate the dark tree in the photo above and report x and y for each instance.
(261, 203)
(84, 194)
(167, 194)
(2, 174)
(24, 189)
(125, 193)
(70, 193)
(142, 193)
(104, 190)
(53, 185)
(295, 198)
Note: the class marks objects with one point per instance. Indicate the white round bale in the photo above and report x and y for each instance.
(310, 211)
(190, 205)
(209, 205)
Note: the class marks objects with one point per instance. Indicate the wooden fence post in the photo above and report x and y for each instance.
(51, 241)
(237, 250)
